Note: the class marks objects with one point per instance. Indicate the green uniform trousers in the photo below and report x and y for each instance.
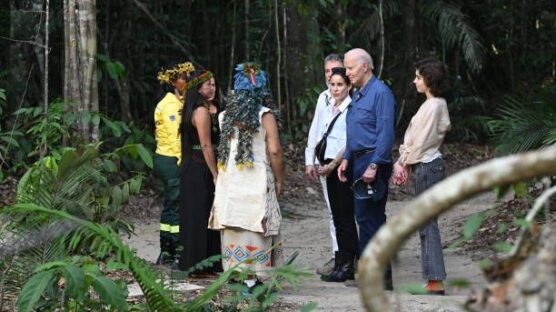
(166, 168)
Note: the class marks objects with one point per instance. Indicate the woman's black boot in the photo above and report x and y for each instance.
(344, 269)
(336, 261)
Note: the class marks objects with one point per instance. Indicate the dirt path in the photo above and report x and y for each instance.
(310, 237)
(305, 229)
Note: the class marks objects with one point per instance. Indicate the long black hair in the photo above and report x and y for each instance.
(193, 100)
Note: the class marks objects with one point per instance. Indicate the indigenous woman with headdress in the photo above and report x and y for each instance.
(251, 175)
(167, 119)
(199, 133)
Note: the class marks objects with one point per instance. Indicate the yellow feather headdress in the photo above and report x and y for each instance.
(170, 75)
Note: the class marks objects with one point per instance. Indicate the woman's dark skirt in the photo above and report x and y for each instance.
(197, 195)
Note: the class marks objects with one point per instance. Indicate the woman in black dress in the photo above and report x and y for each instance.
(199, 135)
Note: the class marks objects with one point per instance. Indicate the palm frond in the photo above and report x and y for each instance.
(108, 241)
(456, 30)
(370, 26)
(17, 269)
(550, 137)
(523, 125)
(74, 183)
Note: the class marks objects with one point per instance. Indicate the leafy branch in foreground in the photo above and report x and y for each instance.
(72, 282)
(106, 241)
(82, 182)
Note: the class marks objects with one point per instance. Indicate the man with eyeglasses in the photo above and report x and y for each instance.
(370, 135)
(331, 61)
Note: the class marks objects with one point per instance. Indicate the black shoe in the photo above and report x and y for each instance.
(388, 284)
(345, 269)
(388, 280)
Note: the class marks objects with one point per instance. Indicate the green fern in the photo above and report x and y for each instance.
(82, 182)
(523, 125)
(108, 241)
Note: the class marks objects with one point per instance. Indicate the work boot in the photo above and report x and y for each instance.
(167, 252)
(164, 258)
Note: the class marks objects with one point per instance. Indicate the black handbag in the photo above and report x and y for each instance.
(320, 148)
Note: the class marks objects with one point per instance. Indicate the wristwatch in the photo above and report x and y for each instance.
(373, 166)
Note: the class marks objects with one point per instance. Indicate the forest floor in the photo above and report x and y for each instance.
(305, 229)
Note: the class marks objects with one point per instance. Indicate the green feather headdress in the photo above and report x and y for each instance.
(242, 112)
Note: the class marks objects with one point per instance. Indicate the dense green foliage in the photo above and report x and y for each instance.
(62, 238)
(65, 228)
(493, 49)
(525, 123)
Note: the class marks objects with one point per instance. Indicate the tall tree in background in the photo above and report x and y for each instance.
(507, 48)
(80, 72)
(24, 52)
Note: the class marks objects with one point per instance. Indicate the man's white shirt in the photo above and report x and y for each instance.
(319, 121)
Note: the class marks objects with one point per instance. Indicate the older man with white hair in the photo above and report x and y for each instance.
(370, 137)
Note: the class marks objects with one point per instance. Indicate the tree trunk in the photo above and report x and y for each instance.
(80, 67)
(404, 88)
(304, 54)
(233, 49)
(5, 22)
(123, 91)
(341, 22)
(278, 54)
(247, 37)
(38, 37)
(286, 79)
(435, 201)
(382, 43)
(46, 53)
(25, 24)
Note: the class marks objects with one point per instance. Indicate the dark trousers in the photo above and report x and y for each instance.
(371, 215)
(166, 168)
(340, 196)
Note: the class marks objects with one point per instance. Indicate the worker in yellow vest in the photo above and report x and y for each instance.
(167, 119)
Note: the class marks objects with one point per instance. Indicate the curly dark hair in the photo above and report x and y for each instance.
(434, 74)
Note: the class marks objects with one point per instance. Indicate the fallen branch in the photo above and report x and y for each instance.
(435, 201)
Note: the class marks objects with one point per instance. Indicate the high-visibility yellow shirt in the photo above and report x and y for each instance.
(167, 120)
